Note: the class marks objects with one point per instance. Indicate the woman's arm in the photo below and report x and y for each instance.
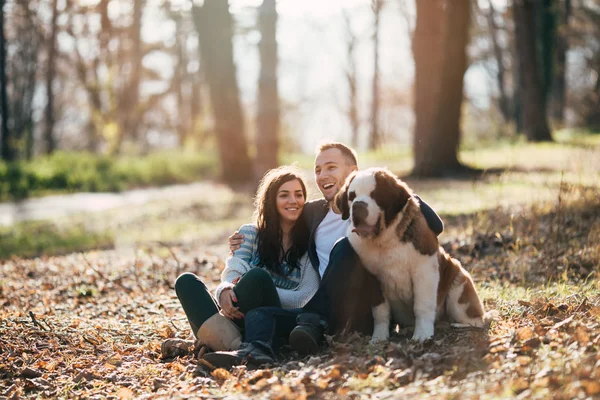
(240, 263)
(308, 286)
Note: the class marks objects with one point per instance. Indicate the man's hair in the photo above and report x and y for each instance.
(348, 153)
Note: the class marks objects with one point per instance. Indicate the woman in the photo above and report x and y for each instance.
(271, 268)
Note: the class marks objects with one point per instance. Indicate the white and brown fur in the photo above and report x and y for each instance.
(420, 281)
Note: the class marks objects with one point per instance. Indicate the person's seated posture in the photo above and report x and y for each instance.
(271, 268)
(342, 301)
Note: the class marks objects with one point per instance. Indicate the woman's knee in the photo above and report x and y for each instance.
(187, 280)
(258, 276)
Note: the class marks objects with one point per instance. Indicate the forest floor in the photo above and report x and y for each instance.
(91, 324)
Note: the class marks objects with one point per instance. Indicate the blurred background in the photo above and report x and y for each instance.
(119, 95)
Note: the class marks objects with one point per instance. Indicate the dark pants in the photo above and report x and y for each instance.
(254, 289)
(344, 301)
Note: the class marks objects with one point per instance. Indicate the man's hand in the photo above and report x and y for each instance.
(227, 300)
(235, 242)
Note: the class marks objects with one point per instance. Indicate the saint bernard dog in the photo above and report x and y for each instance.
(419, 280)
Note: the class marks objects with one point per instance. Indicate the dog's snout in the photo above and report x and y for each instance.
(359, 211)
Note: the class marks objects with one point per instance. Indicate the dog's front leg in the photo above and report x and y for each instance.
(425, 280)
(381, 317)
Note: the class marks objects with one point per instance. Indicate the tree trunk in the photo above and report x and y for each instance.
(374, 138)
(351, 78)
(129, 111)
(442, 156)
(533, 110)
(559, 86)
(50, 74)
(428, 45)
(7, 151)
(546, 12)
(214, 26)
(267, 119)
(504, 103)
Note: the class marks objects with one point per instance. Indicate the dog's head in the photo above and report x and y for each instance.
(372, 198)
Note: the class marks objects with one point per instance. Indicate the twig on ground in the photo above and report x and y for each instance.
(178, 270)
(103, 277)
(36, 323)
(173, 323)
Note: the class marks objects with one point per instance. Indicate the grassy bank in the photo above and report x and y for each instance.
(85, 172)
(540, 175)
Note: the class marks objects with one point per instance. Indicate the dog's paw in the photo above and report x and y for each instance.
(422, 335)
(379, 338)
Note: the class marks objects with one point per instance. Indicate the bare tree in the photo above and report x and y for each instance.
(559, 87)
(428, 45)
(374, 137)
(533, 110)
(442, 156)
(504, 102)
(129, 99)
(50, 74)
(214, 26)
(351, 78)
(8, 153)
(267, 119)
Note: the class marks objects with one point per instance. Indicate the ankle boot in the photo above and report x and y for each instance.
(254, 354)
(307, 336)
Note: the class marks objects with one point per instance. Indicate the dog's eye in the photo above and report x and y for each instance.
(351, 196)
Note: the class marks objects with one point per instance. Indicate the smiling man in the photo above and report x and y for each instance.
(342, 302)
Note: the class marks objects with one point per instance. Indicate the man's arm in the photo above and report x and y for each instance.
(433, 220)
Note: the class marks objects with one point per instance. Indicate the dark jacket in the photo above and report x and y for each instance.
(316, 210)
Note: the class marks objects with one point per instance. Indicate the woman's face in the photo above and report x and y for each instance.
(290, 201)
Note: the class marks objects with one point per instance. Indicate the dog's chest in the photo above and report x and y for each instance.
(391, 265)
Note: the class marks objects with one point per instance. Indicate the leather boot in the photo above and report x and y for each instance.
(254, 354)
(307, 336)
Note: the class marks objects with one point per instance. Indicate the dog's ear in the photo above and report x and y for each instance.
(340, 202)
(390, 194)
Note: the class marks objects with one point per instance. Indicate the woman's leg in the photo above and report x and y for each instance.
(197, 302)
(256, 289)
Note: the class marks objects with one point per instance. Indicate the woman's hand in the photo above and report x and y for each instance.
(235, 241)
(227, 300)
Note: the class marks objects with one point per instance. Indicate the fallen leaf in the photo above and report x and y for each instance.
(125, 393)
(524, 333)
(220, 374)
(591, 388)
(582, 336)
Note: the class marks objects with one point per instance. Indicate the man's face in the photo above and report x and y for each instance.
(331, 172)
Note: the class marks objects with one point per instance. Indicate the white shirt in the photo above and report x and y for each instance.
(329, 231)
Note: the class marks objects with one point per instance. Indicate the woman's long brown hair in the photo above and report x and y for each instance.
(268, 221)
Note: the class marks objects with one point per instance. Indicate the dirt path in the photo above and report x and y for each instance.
(60, 206)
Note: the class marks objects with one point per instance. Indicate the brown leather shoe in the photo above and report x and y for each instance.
(172, 348)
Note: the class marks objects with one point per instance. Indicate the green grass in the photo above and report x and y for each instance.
(64, 172)
(32, 239)
(534, 175)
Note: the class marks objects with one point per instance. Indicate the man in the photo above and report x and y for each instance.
(340, 302)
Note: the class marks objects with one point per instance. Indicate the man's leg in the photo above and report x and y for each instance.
(344, 300)
(347, 292)
(266, 327)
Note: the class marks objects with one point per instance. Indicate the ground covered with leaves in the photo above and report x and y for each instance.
(91, 324)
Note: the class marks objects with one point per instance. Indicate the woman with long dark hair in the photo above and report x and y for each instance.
(271, 268)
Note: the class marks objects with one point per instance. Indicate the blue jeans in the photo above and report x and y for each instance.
(344, 302)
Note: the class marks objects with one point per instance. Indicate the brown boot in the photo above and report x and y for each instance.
(172, 348)
(220, 333)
